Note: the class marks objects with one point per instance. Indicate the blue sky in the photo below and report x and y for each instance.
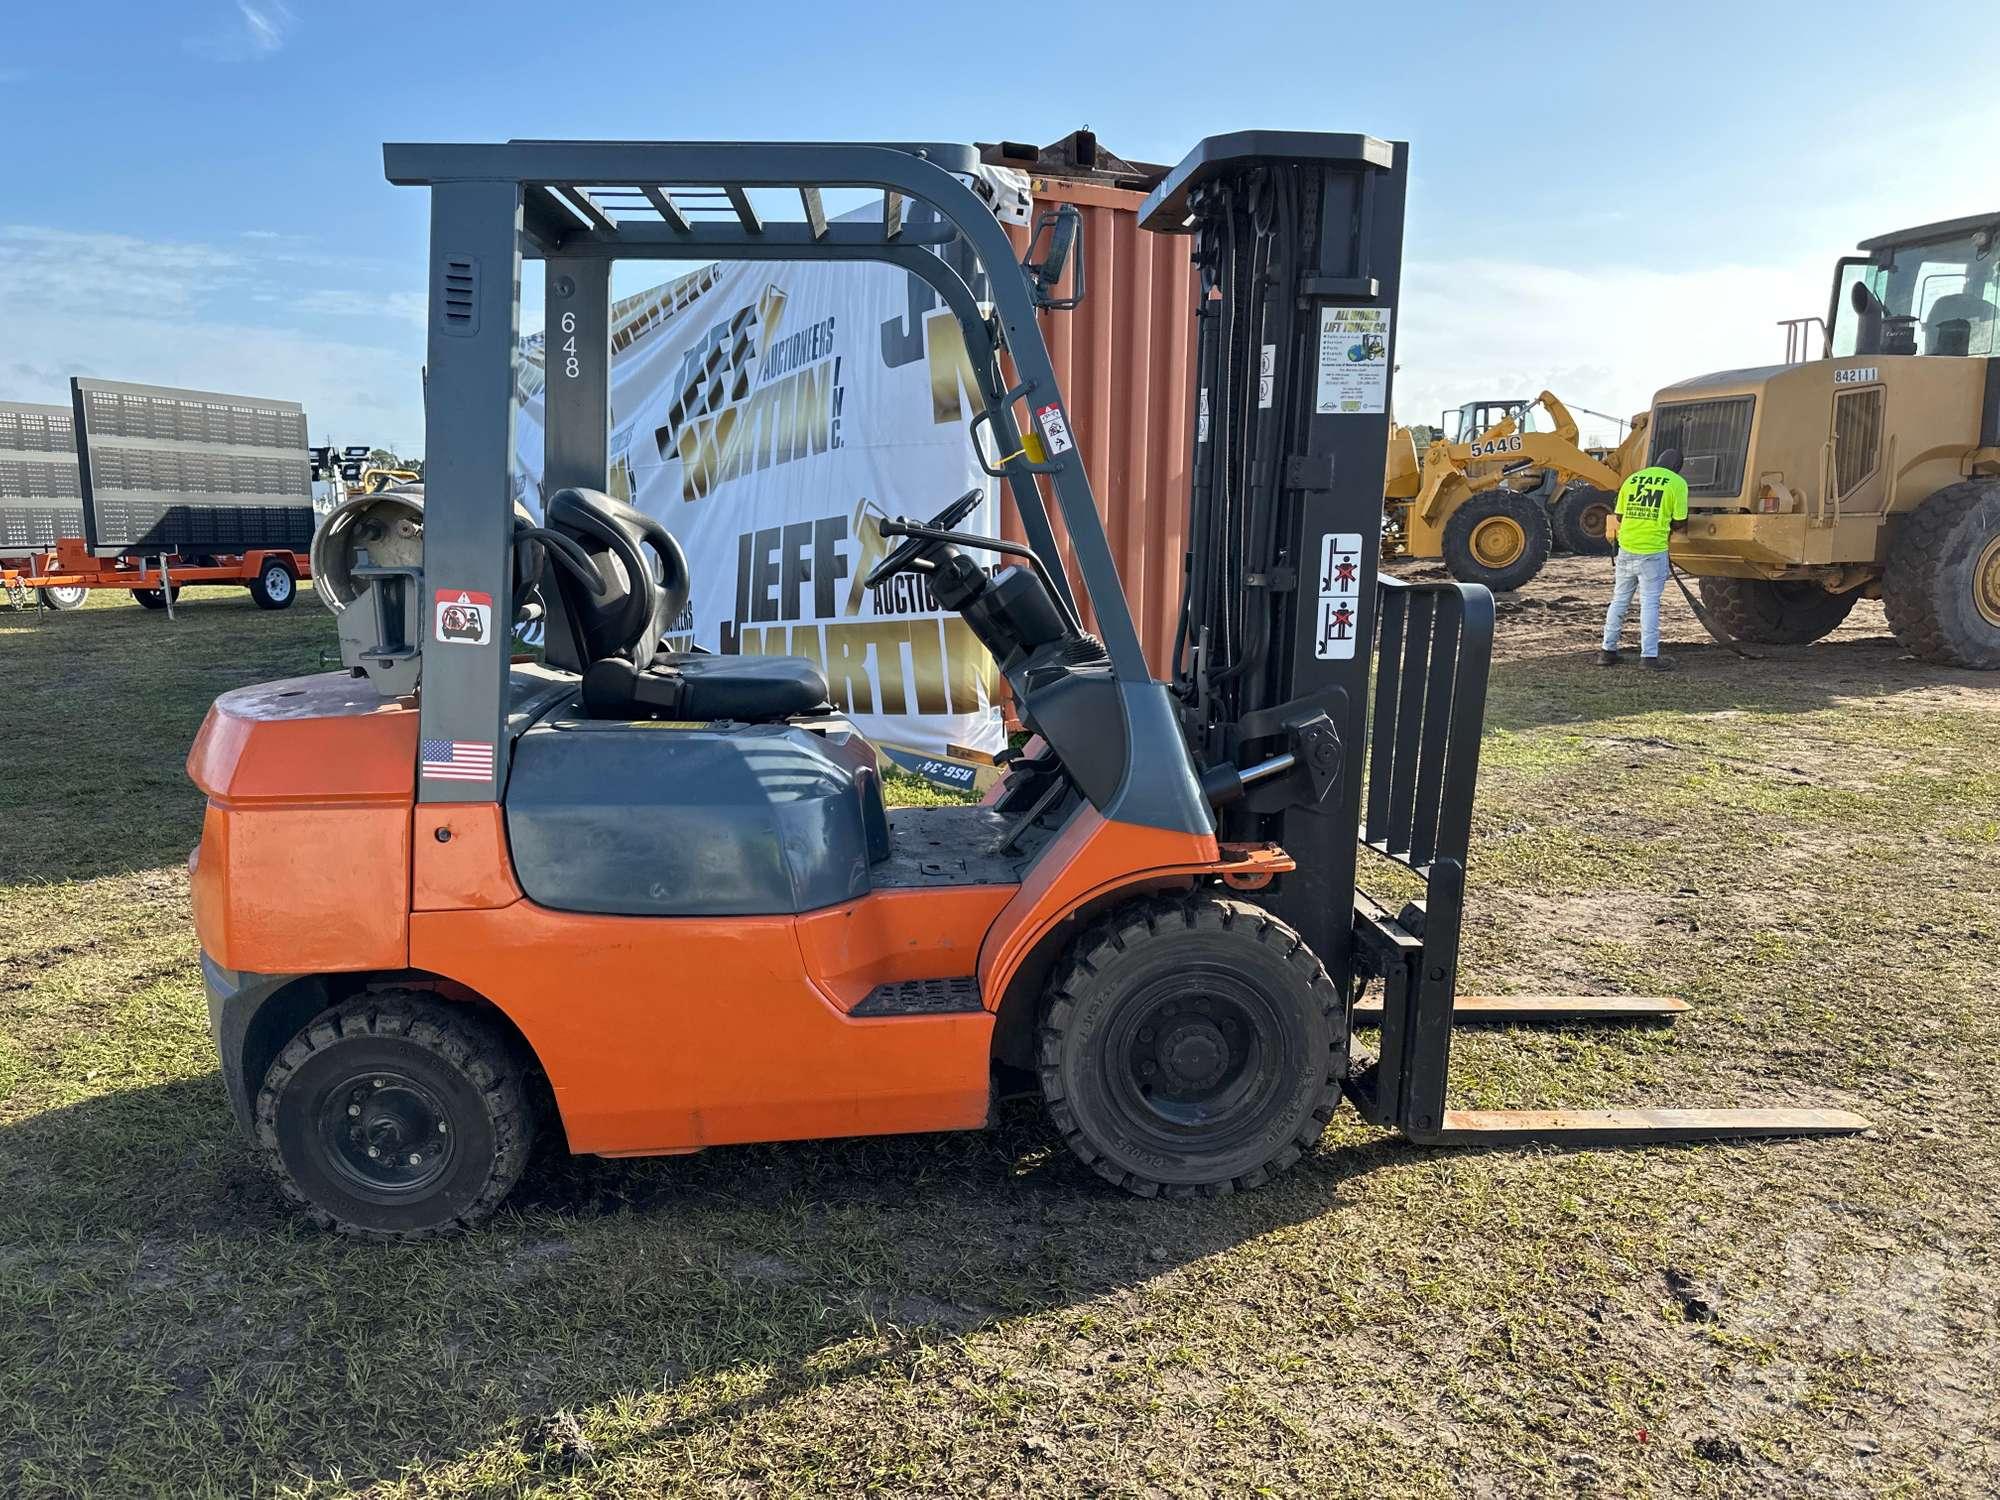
(1604, 199)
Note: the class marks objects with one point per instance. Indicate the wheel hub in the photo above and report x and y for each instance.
(1986, 583)
(1498, 541)
(1192, 1054)
(385, 1133)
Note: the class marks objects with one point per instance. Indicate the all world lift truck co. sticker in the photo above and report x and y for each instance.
(1339, 595)
(462, 617)
(1353, 362)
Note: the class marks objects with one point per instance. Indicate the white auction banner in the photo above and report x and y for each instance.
(771, 415)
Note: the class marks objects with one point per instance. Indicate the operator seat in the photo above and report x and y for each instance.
(1959, 323)
(614, 639)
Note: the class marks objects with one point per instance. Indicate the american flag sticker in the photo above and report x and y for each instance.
(456, 760)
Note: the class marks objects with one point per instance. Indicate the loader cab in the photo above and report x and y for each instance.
(1463, 424)
(1933, 290)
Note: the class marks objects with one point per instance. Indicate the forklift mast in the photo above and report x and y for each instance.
(1333, 709)
(1298, 245)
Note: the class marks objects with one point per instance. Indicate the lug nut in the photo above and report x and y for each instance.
(374, 1151)
(354, 1109)
(416, 1159)
(443, 1129)
(378, 1083)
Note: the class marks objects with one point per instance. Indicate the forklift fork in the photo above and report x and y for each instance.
(1433, 648)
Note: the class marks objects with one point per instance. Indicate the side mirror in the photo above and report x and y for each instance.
(1064, 227)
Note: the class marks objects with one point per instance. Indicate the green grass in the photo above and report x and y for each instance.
(1803, 847)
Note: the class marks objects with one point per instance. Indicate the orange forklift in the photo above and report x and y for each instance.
(452, 895)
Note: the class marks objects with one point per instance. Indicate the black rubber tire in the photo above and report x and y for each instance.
(275, 585)
(64, 598)
(1220, 958)
(1767, 612)
(1570, 520)
(1930, 588)
(473, 1075)
(155, 598)
(1463, 562)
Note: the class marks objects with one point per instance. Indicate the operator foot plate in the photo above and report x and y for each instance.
(1610, 1127)
(1534, 1009)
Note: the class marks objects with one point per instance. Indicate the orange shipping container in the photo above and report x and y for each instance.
(1125, 358)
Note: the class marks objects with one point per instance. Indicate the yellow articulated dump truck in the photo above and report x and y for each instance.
(1870, 472)
(1496, 491)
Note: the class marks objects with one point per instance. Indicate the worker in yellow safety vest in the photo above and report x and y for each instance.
(1652, 505)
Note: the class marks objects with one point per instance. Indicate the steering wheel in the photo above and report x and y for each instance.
(912, 548)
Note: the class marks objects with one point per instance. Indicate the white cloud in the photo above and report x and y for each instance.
(249, 319)
(257, 31)
(1607, 338)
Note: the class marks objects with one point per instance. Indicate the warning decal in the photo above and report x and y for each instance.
(1054, 428)
(463, 617)
(1353, 361)
(1339, 595)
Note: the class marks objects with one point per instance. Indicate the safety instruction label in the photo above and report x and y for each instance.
(1353, 361)
(463, 617)
(1339, 595)
(1267, 369)
(1201, 418)
(1054, 429)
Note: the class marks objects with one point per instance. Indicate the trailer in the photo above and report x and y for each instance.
(63, 579)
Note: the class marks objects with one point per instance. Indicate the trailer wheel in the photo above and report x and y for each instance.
(65, 596)
(274, 587)
(395, 1116)
(1774, 612)
(1941, 588)
(1190, 1046)
(1579, 517)
(155, 598)
(1497, 538)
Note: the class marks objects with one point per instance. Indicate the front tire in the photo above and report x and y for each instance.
(1498, 538)
(155, 598)
(395, 1116)
(1941, 588)
(1190, 1046)
(1774, 612)
(65, 596)
(1579, 518)
(274, 587)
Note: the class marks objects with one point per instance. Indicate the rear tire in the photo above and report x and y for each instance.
(274, 587)
(1498, 538)
(1190, 1046)
(155, 598)
(1578, 520)
(1941, 588)
(65, 596)
(1774, 612)
(395, 1116)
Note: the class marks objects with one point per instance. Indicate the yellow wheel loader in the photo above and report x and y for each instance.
(1494, 495)
(1870, 472)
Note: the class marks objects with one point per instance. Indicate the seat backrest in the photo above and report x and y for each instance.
(645, 575)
